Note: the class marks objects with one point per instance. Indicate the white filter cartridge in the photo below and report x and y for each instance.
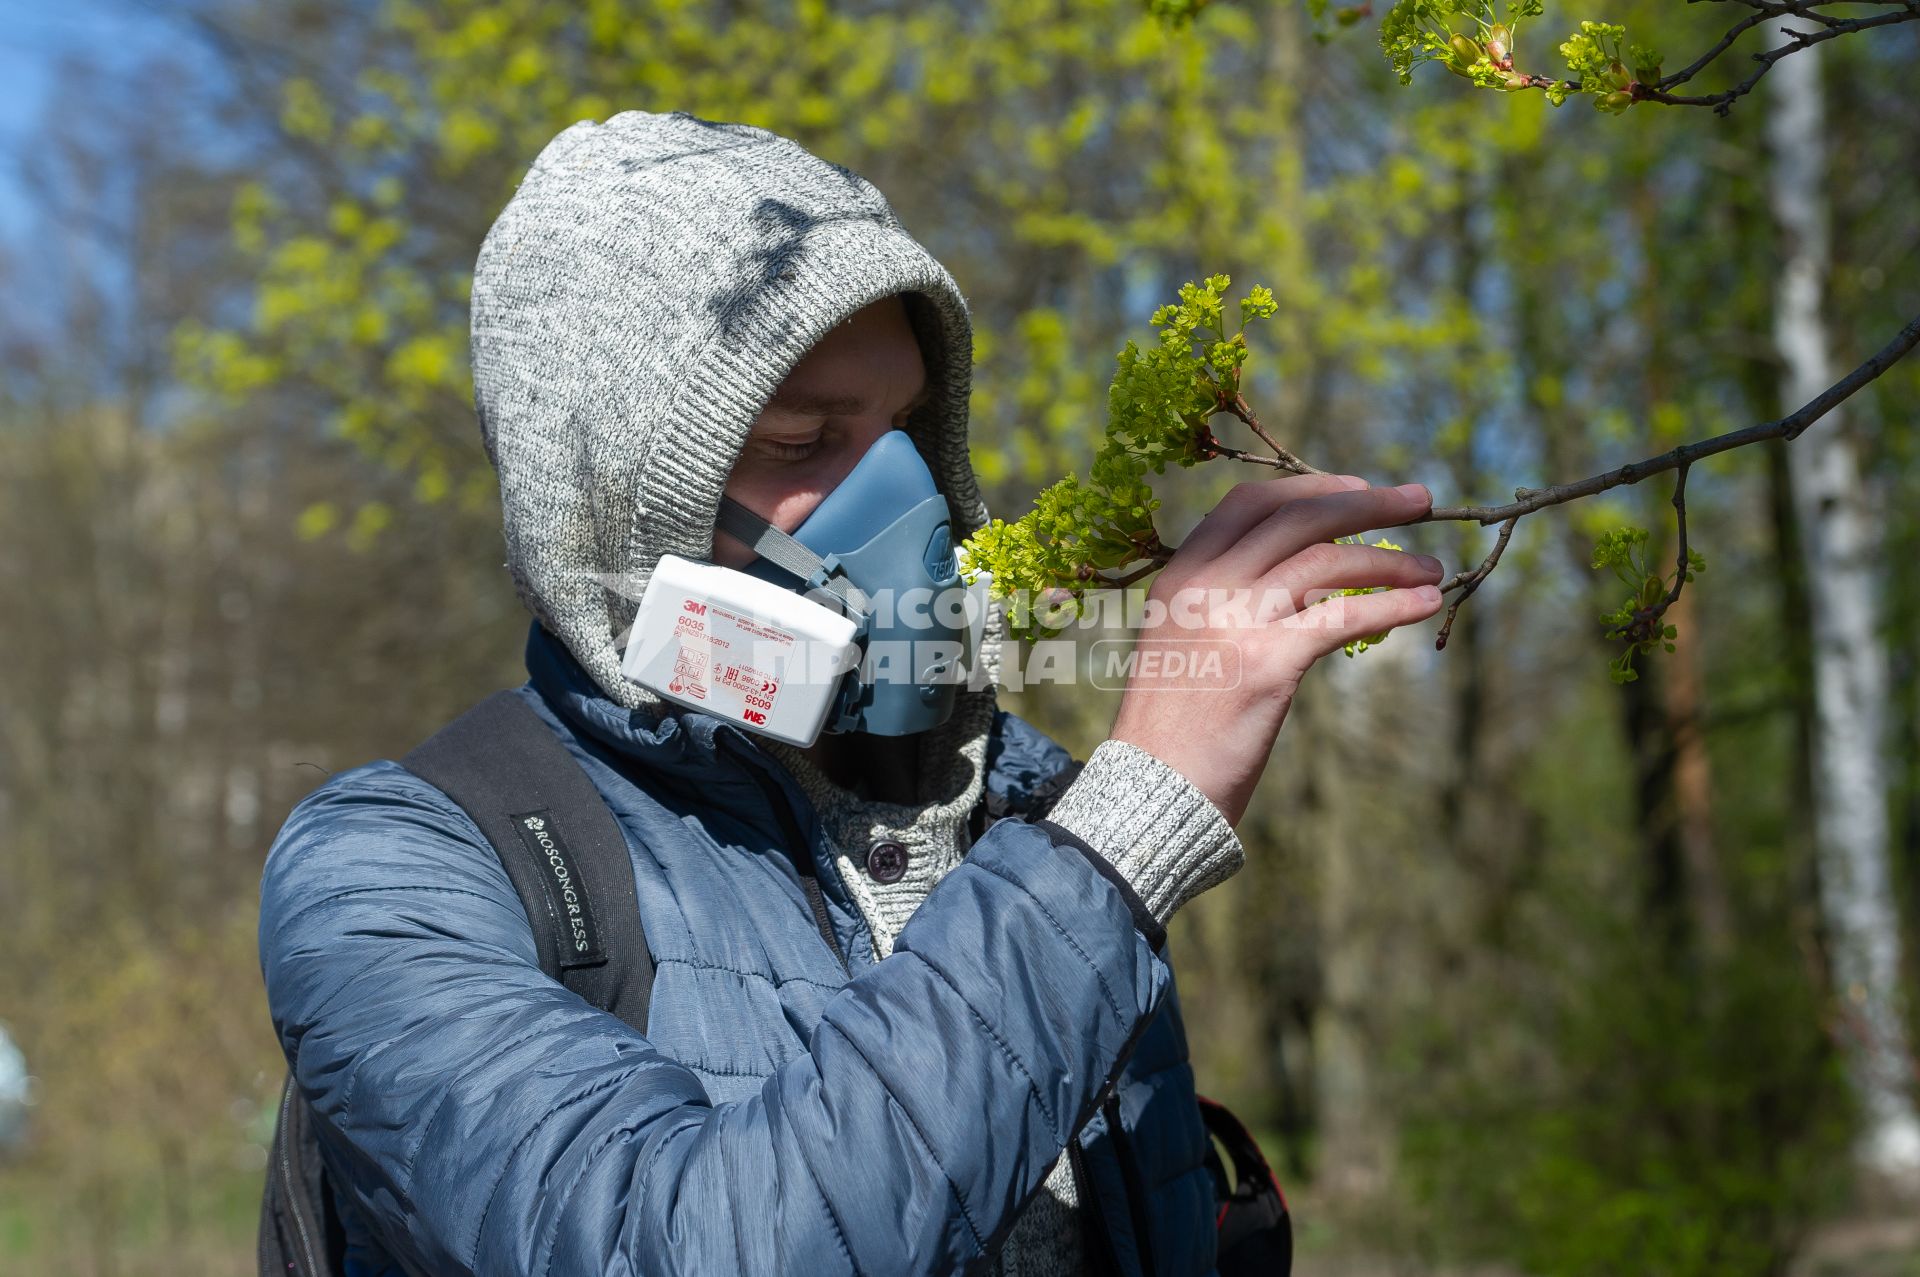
(740, 648)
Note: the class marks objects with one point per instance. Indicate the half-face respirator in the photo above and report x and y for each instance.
(856, 622)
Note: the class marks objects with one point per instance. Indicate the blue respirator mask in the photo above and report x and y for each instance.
(870, 578)
(885, 531)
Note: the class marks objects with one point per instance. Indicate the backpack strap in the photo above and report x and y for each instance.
(300, 1231)
(1254, 1227)
(559, 842)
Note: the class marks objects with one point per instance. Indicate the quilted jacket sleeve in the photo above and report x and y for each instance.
(487, 1121)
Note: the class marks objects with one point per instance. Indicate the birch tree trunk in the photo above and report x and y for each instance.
(1850, 769)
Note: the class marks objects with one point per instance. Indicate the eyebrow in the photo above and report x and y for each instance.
(835, 405)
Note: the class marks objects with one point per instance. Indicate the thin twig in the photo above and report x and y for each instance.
(1699, 64)
(1145, 568)
(1215, 448)
(1470, 581)
(1646, 625)
(1682, 569)
(1238, 407)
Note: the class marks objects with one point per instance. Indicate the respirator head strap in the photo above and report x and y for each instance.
(781, 550)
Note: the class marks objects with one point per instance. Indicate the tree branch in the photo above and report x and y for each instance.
(1789, 427)
(1831, 28)
(1531, 500)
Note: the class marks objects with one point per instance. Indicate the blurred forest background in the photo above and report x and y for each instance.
(1527, 972)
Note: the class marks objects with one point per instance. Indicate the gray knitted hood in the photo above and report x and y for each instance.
(647, 288)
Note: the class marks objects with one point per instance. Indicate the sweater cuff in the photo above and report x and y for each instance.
(1164, 837)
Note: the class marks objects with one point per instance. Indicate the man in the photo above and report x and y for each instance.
(889, 1033)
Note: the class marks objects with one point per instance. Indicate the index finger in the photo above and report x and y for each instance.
(1324, 517)
(1248, 503)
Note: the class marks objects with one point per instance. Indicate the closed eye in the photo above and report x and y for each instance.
(784, 450)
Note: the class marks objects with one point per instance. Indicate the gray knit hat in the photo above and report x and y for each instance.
(643, 294)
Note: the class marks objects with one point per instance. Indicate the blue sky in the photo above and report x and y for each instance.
(34, 36)
(44, 259)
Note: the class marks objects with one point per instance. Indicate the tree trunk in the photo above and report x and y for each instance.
(1687, 785)
(1683, 691)
(1355, 1144)
(1850, 769)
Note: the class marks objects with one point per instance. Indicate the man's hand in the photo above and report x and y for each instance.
(1272, 543)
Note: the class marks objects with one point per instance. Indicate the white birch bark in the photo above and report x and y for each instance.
(1850, 767)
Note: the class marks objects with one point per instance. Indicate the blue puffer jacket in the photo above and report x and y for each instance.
(782, 1114)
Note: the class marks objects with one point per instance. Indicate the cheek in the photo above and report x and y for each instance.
(782, 494)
